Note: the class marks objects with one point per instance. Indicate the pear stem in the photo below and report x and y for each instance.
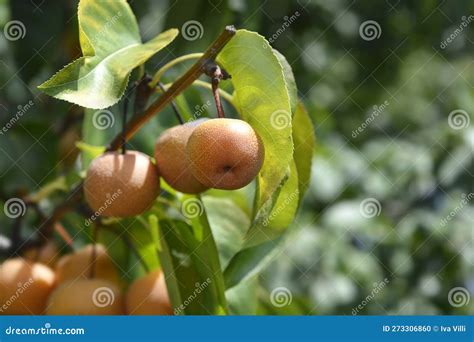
(217, 98)
(217, 74)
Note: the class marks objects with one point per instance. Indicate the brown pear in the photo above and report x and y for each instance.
(24, 287)
(86, 297)
(149, 296)
(121, 185)
(170, 156)
(225, 153)
(78, 266)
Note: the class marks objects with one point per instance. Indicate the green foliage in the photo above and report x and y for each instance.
(189, 265)
(112, 48)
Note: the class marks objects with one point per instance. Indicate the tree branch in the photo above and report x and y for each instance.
(176, 88)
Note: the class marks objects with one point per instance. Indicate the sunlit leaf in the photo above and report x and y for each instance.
(275, 217)
(263, 101)
(289, 80)
(112, 48)
(304, 140)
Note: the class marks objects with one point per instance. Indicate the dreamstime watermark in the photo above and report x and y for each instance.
(280, 119)
(46, 330)
(377, 288)
(199, 110)
(459, 296)
(281, 296)
(14, 208)
(199, 288)
(14, 30)
(21, 110)
(192, 208)
(458, 119)
(103, 296)
(370, 30)
(377, 110)
(465, 21)
(192, 30)
(288, 20)
(370, 207)
(464, 201)
(102, 33)
(21, 287)
(103, 119)
(108, 202)
(276, 211)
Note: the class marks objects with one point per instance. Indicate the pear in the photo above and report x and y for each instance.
(86, 297)
(24, 287)
(225, 153)
(148, 295)
(170, 156)
(121, 185)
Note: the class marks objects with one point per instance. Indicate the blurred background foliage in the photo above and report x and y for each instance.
(408, 157)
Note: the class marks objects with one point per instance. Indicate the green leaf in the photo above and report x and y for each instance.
(139, 233)
(89, 152)
(194, 283)
(229, 225)
(304, 140)
(155, 230)
(261, 95)
(289, 80)
(117, 250)
(250, 261)
(275, 217)
(243, 299)
(112, 48)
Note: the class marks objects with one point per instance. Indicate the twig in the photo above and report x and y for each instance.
(173, 104)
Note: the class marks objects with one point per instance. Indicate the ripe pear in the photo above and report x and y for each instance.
(86, 297)
(47, 254)
(149, 296)
(170, 156)
(78, 266)
(225, 153)
(24, 287)
(121, 185)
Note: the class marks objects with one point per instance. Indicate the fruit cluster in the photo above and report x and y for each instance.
(193, 157)
(83, 283)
